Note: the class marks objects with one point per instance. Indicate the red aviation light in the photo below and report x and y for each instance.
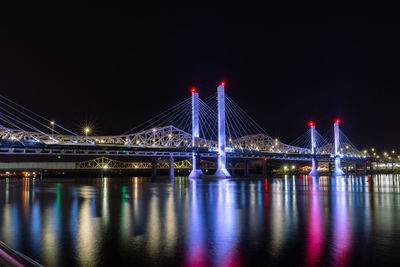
(311, 123)
(193, 90)
(265, 159)
(222, 83)
(337, 121)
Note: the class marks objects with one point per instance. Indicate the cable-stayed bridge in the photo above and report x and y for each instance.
(216, 127)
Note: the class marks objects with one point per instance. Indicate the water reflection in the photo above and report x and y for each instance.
(341, 223)
(315, 229)
(308, 221)
(196, 254)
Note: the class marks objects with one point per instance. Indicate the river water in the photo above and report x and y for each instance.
(292, 221)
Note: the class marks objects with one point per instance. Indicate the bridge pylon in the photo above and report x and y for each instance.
(314, 162)
(221, 170)
(196, 168)
(337, 171)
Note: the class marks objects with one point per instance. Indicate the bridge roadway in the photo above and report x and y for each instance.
(156, 151)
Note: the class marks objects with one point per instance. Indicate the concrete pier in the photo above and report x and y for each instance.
(154, 167)
(171, 166)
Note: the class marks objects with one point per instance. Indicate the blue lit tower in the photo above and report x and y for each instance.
(221, 171)
(314, 162)
(196, 170)
(337, 170)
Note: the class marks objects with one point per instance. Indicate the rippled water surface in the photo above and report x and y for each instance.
(180, 222)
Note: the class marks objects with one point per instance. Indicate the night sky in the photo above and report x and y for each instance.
(116, 66)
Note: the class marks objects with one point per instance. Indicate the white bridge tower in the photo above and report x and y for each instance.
(196, 167)
(221, 170)
(337, 171)
(314, 162)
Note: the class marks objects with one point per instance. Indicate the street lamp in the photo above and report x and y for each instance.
(87, 130)
(52, 129)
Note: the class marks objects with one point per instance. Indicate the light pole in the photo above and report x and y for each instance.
(87, 130)
(52, 129)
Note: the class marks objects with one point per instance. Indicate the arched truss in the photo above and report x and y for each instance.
(107, 163)
(264, 143)
(345, 149)
(18, 135)
(168, 137)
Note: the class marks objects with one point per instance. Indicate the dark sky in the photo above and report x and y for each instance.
(117, 66)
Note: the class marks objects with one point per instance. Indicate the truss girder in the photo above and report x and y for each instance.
(168, 137)
(107, 163)
(345, 149)
(264, 143)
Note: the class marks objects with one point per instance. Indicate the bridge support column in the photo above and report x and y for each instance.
(246, 168)
(196, 168)
(314, 163)
(365, 167)
(154, 167)
(221, 169)
(355, 169)
(337, 171)
(171, 166)
(264, 167)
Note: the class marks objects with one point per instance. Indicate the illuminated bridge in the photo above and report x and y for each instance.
(214, 128)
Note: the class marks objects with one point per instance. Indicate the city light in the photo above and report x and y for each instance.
(87, 130)
(52, 129)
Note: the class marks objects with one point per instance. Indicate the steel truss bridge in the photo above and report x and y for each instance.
(163, 141)
(170, 141)
(107, 163)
